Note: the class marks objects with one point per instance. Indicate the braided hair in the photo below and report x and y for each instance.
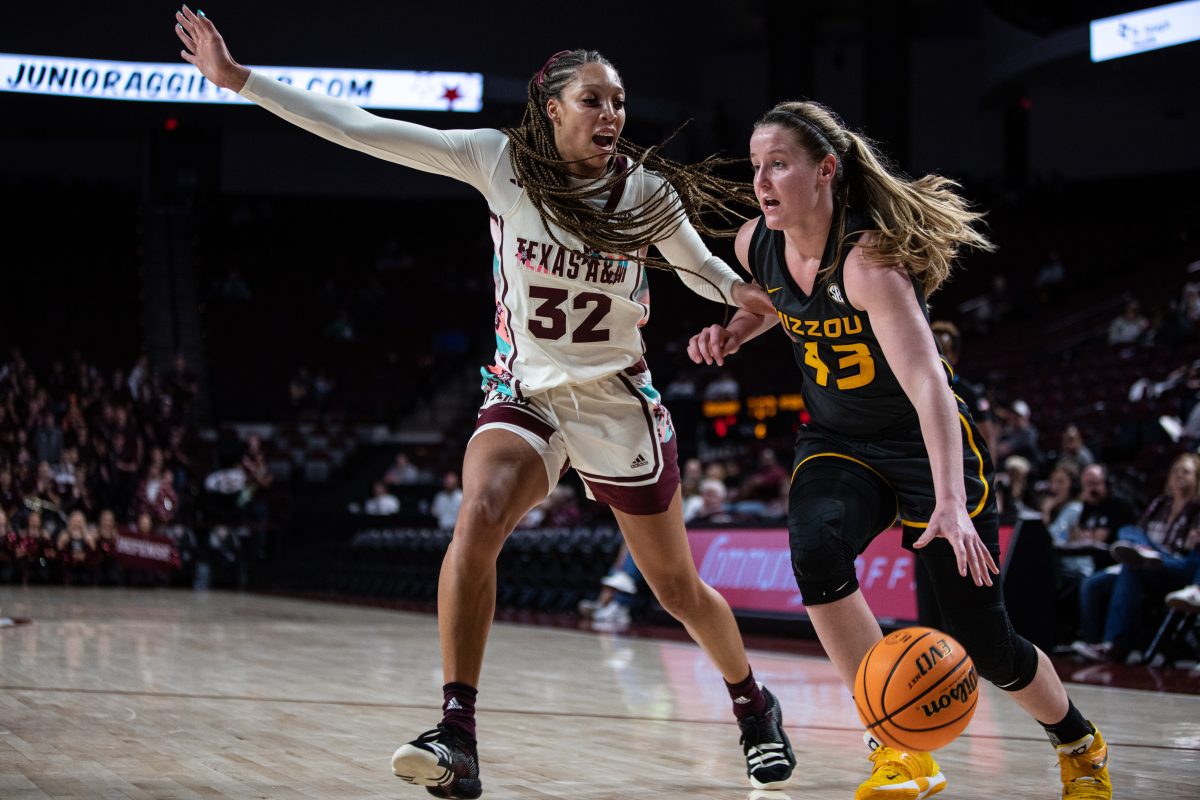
(545, 177)
(921, 223)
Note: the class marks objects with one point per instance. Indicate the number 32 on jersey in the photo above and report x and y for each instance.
(856, 367)
(549, 319)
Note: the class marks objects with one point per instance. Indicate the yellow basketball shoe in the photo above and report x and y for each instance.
(900, 775)
(1084, 768)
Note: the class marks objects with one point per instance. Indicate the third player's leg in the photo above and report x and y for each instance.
(660, 547)
(503, 477)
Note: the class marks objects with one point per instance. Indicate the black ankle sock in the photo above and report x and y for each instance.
(458, 709)
(747, 697)
(1070, 728)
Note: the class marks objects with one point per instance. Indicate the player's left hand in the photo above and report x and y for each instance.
(953, 524)
(751, 297)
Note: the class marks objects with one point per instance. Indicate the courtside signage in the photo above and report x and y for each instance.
(1149, 29)
(182, 83)
(752, 569)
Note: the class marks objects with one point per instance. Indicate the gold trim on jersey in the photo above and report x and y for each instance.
(982, 477)
(895, 495)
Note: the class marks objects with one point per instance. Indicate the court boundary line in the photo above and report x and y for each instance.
(517, 712)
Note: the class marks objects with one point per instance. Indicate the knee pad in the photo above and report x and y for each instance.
(822, 552)
(1001, 655)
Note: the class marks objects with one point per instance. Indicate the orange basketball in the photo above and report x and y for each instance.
(916, 689)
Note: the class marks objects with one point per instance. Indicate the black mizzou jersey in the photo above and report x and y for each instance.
(848, 386)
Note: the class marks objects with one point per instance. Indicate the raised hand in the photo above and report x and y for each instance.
(205, 48)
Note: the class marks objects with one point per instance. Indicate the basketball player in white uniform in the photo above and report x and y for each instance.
(569, 384)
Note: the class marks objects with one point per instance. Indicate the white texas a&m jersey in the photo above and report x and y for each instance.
(564, 314)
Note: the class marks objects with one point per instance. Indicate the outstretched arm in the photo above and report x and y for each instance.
(704, 273)
(469, 156)
(716, 342)
(886, 293)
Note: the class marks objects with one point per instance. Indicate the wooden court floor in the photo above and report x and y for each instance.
(173, 694)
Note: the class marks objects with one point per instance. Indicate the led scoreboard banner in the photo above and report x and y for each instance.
(759, 410)
(182, 83)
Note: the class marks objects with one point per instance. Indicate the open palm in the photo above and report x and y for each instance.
(204, 47)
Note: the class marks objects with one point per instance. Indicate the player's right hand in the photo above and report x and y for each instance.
(204, 47)
(713, 344)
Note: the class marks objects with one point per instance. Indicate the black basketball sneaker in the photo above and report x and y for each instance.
(441, 761)
(769, 756)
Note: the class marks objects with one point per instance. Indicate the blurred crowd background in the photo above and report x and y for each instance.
(239, 349)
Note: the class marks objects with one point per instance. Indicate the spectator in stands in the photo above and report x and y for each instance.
(710, 505)
(127, 455)
(63, 472)
(447, 501)
(1158, 555)
(1102, 514)
(1190, 304)
(156, 493)
(693, 473)
(973, 394)
(78, 496)
(47, 439)
(560, 508)
(181, 385)
(402, 473)
(103, 473)
(119, 388)
(10, 496)
(1166, 522)
(44, 489)
(1060, 513)
(1130, 326)
(763, 484)
(259, 480)
(139, 375)
(76, 547)
(1073, 453)
(1014, 491)
(40, 551)
(381, 502)
(111, 573)
(1020, 437)
(177, 457)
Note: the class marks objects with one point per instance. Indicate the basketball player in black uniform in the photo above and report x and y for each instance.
(848, 253)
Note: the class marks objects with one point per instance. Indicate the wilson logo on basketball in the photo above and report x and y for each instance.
(962, 693)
